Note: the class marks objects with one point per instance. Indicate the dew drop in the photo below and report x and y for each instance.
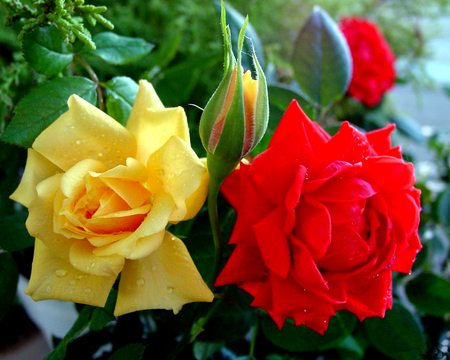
(140, 282)
(87, 290)
(78, 142)
(169, 289)
(48, 288)
(70, 292)
(60, 272)
(154, 267)
(72, 282)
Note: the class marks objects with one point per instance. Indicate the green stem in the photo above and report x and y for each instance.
(93, 75)
(213, 192)
(254, 336)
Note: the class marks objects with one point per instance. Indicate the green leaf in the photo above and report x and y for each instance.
(43, 106)
(350, 349)
(235, 20)
(130, 351)
(443, 207)
(119, 50)
(235, 314)
(204, 350)
(409, 127)
(300, 338)
(59, 353)
(15, 236)
(321, 59)
(103, 316)
(45, 51)
(121, 93)
(399, 335)
(8, 282)
(430, 294)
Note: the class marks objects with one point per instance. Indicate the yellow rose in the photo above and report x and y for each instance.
(100, 196)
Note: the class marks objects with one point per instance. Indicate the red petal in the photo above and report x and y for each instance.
(345, 212)
(380, 139)
(404, 261)
(295, 120)
(313, 226)
(388, 174)
(245, 264)
(344, 189)
(369, 296)
(306, 273)
(347, 250)
(273, 243)
(334, 169)
(292, 200)
(231, 187)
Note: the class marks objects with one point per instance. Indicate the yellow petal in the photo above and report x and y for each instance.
(153, 224)
(40, 218)
(72, 182)
(166, 279)
(37, 169)
(152, 124)
(83, 259)
(195, 202)
(54, 278)
(85, 132)
(180, 171)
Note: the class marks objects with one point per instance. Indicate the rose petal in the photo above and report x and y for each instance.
(37, 168)
(40, 218)
(82, 258)
(380, 139)
(152, 124)
(166, 279)
(85, 132)
(196, 201)
(235, 272)
(273, 243)
(54, 278)
(313, 226)
(350, 189)
(175, 169)
(405, 260)
(153, 224)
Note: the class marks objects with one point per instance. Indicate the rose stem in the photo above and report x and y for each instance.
(93, 75)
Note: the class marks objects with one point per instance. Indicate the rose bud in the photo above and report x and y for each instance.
(235, 118)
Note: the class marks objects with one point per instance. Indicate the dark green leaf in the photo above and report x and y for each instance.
(399, 335)
(166, 51)
(300, 338)
(443, 207)
(103, 316)
(14, 234)
(409, 127)
(235, 20)
(130, 351)
(204, 350)
(45, 51)
(119, 50)
(43, 105)
(8, 282)
(281, 96)
(321, 59)
(430, 294)
(84, 317)
(350, 349)
(177, 82)
(233, 313)
(121, 92)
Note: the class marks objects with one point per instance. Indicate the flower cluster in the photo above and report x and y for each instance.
(373, 60)
(322, 222)
(100, 196)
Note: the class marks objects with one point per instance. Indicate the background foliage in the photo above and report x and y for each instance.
(177, 45)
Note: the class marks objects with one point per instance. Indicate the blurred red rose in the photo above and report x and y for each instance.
(322, 222)
(373, 60)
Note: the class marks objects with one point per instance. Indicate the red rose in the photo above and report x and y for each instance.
(373, 60)
(322, 222)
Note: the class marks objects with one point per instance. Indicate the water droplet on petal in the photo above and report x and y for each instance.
(87, 290)
(154, 267)
(48, 288)
(60, 272)
(140, 282)
(169, 289)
